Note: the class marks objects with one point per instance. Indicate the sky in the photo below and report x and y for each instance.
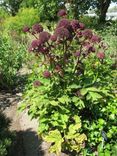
(112, 5)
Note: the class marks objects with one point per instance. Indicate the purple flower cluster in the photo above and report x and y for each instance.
(64, 23)
(75, 24)
(44, 36)
(68, 36)
(101, 55)
(82, 26)
(46, 74)
(26, 29)
(95, 39)
(62, 33)
(77, 53)
(53, 38)
(35, 44)
(36, 83)
(87, 33)
(62, 13)
(37, 28)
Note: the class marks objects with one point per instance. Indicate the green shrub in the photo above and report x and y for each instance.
(109, 34)
(12, 57)
(71, 84)
(3, 14)
(25, 17)
(90, 22)
(6, 137)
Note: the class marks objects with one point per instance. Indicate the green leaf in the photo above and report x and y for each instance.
(93, 89)
(95, 96)
(54, 103)
(42, 127)
(64, 99)
(81, 138)
(107, 153)
(83, 91)
(101, 121)
(22, 107)
(75, 99)
(55, 138)
(114, 150)
(74, 86)
(77, 119)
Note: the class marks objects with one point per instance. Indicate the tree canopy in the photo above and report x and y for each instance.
(48, 8)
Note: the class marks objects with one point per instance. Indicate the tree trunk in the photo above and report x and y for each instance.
(104, 5)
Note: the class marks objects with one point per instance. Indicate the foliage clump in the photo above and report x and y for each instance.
(11, 59)
(6, 137)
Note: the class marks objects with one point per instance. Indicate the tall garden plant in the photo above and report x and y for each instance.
(70, 91)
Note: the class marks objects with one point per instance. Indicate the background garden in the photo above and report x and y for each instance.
(64, 62)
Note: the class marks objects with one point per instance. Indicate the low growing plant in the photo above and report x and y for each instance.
(11, 59)
(71, 87)
(6, 137)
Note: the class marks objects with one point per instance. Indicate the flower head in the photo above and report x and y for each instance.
(44, 36)
(65, 23)
(95, 39)
(77, 53)
(90, 48)
(53, 38)
(26, 29)
(37, 28)
(75, 24)
(62, 13)
(62, 33)
(79, 34)
(36, 83)
(101, 55)
(35, 44)
(81, 26)
(87, 33)
(46, 74)
(43, 49)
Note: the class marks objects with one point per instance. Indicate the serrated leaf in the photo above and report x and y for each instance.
(81, 138)
(55, 138)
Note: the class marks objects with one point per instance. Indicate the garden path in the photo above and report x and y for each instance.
(27, 142)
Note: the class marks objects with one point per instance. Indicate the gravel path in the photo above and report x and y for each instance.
(27, 142)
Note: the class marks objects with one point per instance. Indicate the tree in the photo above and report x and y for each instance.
(29, 3)
(48, 9)
(11, 6)
(102, 7)
(79, 7)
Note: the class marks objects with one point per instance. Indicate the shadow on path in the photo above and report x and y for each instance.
(26, 144)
